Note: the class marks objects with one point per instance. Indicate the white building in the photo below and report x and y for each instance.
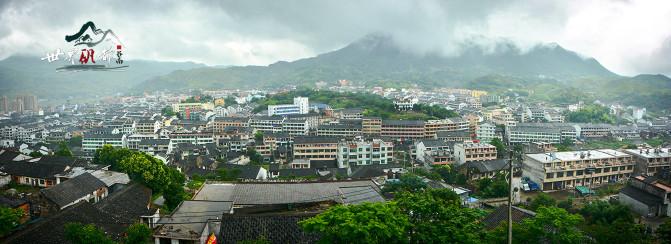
(92, 142)
(301, 106)
(365, 153)
(486, 132)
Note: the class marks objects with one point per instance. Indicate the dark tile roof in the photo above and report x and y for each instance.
(641, 196)
(276, 228)
(488, 165)
(500, 215)
(7, 156)
(11, 202)
(128, 203)
(113, 215)
(52, 230)
(35, 170)
(73, 189)
(245, 171)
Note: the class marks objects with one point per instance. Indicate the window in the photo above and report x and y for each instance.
(41, 182)
(549, 175)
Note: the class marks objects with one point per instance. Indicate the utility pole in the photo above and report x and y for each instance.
(510, 198)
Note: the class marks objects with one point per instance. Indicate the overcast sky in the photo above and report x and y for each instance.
(628, 37)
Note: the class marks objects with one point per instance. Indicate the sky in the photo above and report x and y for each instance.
(628, 37)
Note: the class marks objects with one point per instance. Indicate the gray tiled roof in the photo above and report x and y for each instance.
(73, 189)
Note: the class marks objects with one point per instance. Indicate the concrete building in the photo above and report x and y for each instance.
(220, 123)
(403, 129)
(485, 132)
(340, 130)
(589, 130)
(540, 132)
(647, 196)
(566, 170)
(432, 127)
(473, 151)
(189, 138)
(267, 123)
(301, 105)
(181, 107)
(91, 142)
(650, 161)
(147, 126)
(434, 152)
(315, 148)
(296, 126)
(365, 152)
(371, 126)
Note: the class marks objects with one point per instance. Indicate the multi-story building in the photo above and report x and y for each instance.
(351, 113)
(147, 126)
(371, 126)
(434, 152)
(296, 126)
(181, 107)
(220, 123)
(94, 141)
(367, 152)
(189, 138)
(485, 132)
(650, 161)
(4, 104)
(403, 129)
(267, 123)
(454, 136)
(540, 132)
(315, 148)
(473, 151)
(453, 124)
(565, 170)
(28, 132)
(301, 105)
(589, 130)
(339, 130)
(647, 196)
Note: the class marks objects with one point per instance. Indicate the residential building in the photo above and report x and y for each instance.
(84, 187)
(589, 130)
(486, 132)
(566, 170)
(296, 126)
(403, 129)
(183, 226)
(301, 105)
(434, 152)
(220, 123)
(650, 161)
(351, 113)
(540, 132)
(473, 151)
(147, 126)
(432, 127)
(189, 138)
(364, 152)
(182, 107)
(371, 126)
(93, 141)
(340, 130)
(476, 170)
(647, 196)
(267, 123)
(315, 148)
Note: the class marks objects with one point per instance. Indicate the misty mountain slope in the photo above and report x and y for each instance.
(376, 59)
(30, 75)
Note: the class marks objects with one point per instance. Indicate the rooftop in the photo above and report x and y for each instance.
(576, 155)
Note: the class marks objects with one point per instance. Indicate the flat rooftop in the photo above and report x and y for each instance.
(649, 153)
(575, 155)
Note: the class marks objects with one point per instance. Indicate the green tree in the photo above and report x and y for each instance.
(85, 234)
(359, 223)
(566, 204)
(108, 155)
(138, 233)
(501, 149)
(258, 136)
(9, 219)
(63, 150)
(551, 225)
(173, 195)
(542, 200)
(168, 112)
(664, 232)
(255, 157)
(493, 188)
(611, 223)
(407, 182)
(436, 216)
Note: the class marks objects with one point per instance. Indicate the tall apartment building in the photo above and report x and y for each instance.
(30, 103)
(566, 170)
(4, 104)
(473, 151)
(301, 105)
(368, 152)
(315, 148)
(403, 129)
(650, 161)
